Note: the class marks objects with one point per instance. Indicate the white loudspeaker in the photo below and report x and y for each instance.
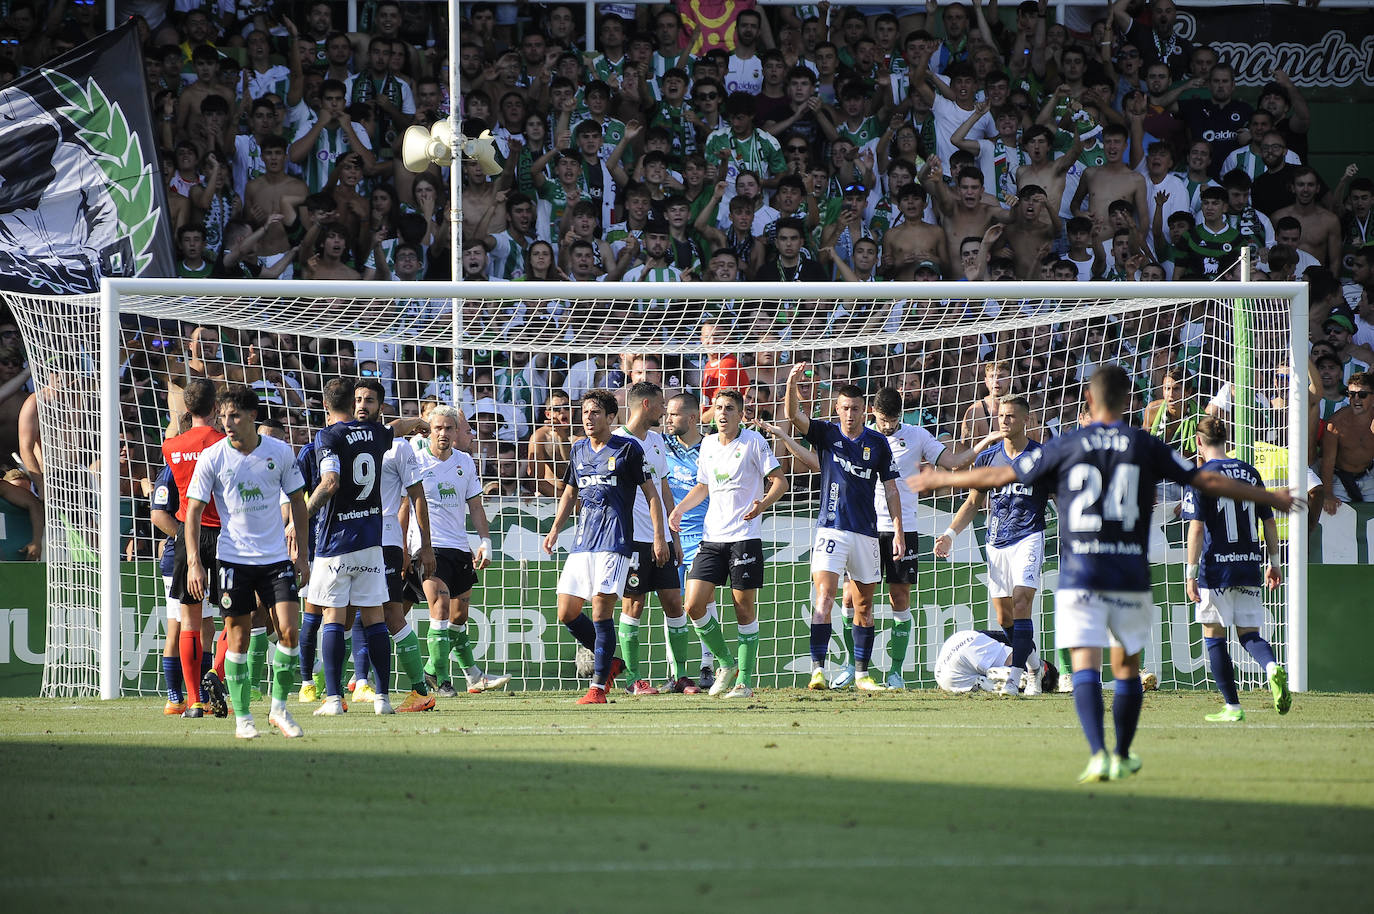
(483, 151)
(421, 148)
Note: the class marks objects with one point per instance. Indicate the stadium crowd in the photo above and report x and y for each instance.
(807, 143)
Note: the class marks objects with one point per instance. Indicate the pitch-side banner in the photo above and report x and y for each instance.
(1329, 54)
(81, 196)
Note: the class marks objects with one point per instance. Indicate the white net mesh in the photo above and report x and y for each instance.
(523, 344)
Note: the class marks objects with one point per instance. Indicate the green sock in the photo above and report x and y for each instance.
(628, 635)
(240, 689)
(408, 658)
(460, 646)
(437, 663)
(847, 636)
(896, 647)
(748, 654)
(283, 673)
(711, 635)
(679, 641)
(257, 657)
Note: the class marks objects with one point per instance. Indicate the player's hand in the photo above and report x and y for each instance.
(1272, 577)
(292, 550)
(943, 543)
(675, 520)
(794, 376)
(482, 558)
(427, 564)
(195, 579)
(302, 572)
(898, 543)
(754, 510)
(661, 554)
(551, 541)
(1288, 502)
(1190, 587)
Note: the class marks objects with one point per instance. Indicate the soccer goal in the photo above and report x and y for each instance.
(109, 371)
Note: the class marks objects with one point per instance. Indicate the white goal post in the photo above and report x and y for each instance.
(1231, 339)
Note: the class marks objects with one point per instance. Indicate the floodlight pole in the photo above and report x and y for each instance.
(455, 164)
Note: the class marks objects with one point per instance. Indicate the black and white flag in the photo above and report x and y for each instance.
(81, 195)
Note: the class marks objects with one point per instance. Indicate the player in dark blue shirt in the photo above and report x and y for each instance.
(1105, 476)
(164, 503)
(1015, 539)
(854, 461)
(1223, 576)
(604, 472)
(348, 570)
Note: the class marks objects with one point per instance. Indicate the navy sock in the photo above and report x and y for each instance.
(360, 650)
(583, 630)
(863, 647)
(603, 650)
(1087, 700)
(1129, 696)
(171, 672)
(820, 641)
(1022, 642)
(1258, 648)
(207, 660)
(1009, 632)
(379, 649)
(310, 639)
(332, 647)
(1223, 674)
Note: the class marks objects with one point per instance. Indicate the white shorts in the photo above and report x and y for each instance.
(353, 579)
(1238, 606)
(208, 610)
(586, 574)
(1017, 565)
(844, 552)
(1103, 618)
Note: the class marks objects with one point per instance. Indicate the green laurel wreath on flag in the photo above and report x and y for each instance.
(101, 125)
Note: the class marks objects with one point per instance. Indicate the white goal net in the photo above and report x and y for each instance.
(511, 355)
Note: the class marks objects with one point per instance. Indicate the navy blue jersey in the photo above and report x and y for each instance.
(606, 481)
(353, 518)
(682, 478)
(1104, 478)
(1016, 510)
(1231, 553)
(851, 470)
(165, 498)
(310, 472)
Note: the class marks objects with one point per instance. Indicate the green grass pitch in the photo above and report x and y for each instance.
(793, 802)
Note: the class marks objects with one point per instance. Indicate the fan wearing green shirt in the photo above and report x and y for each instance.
(741, 147)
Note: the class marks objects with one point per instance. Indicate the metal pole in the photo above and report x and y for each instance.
(591, 26)
(111, 600)
(455, 176)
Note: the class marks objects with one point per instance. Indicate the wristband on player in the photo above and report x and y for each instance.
(485, 543)
(949, 532)
(1190, 572)
(1274, 563)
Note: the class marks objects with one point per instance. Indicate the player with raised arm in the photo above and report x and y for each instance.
(734, 466)
(347, 576)
(243, 473)
(180, 453)
(1105, 476)
(854, 460)
(453, 493)
(684, 439)
(645, 402)
(604, 471)
(1015, 538)
(403, 479)
(911, 446)
(1223, 572)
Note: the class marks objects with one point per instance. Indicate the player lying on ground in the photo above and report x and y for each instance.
(974, 661)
